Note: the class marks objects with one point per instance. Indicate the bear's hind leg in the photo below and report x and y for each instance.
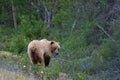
(34, 58)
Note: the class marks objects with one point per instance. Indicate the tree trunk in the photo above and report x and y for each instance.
(48, 14)
(49, 19)
(14, 16)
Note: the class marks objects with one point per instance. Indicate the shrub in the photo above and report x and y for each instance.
(32, 28)
(18, 44)
(82, 76)
(108, 49)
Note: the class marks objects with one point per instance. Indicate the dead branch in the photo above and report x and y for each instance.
(14, 15)
(100, 27)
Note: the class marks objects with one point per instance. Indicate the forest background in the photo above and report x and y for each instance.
(88, 32)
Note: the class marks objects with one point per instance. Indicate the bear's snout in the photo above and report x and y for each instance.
(57, 53)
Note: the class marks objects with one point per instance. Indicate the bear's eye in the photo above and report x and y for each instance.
(55, 48)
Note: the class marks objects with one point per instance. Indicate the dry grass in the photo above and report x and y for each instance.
(4, 54)
(4, 73)
(9, 68)
(7, 75)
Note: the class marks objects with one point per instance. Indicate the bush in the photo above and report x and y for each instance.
(32, 28)
(18, 44)
(108, 49)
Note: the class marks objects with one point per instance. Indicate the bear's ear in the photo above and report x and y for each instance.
(52, 42)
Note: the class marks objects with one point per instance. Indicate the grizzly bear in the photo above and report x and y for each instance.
(40, 51)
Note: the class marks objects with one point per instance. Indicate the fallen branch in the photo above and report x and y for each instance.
(100, 27)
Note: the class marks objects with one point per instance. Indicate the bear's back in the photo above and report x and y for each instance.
(45, 43)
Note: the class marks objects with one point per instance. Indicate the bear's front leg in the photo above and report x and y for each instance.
(46, 60)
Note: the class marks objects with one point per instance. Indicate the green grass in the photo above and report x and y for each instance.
(18, 68)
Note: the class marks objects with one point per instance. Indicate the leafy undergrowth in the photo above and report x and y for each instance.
(13, 67)
(110, 70)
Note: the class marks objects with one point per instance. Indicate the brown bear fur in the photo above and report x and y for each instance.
(40, 51)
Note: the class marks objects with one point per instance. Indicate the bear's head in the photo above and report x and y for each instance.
(55, 47)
